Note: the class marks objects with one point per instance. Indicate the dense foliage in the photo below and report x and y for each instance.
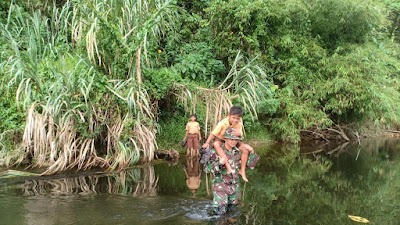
(103, 76)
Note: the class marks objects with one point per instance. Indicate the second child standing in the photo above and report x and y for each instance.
(192, 135)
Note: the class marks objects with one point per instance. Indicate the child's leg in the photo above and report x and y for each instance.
(243, 161)
(221, 153)
(189, 144)
(195, 145)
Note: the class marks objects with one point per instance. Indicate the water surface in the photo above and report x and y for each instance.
(311, 185)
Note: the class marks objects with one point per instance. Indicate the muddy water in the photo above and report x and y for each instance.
(311, 185)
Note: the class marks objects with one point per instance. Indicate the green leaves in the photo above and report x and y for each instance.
(197, 63)
(335, 22)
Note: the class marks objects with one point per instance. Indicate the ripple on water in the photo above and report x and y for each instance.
(202, 210)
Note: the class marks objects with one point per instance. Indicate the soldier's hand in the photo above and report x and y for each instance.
(236, 133)
(205, 145)
(250, 149)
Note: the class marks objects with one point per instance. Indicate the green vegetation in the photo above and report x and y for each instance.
(99, 82)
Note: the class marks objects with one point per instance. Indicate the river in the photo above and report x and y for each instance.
(290, 185)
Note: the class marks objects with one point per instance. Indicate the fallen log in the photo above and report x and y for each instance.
(394, 131)
(171, 154)
(316, 134)
(340, 132)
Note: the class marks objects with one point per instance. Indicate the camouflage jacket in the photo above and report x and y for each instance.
(219, 170)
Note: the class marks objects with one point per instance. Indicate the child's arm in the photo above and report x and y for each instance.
(209, 139)
(218, 149)
(199, 133)
(214, 133)
(215, 164)
(186, 174)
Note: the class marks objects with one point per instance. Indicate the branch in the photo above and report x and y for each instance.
(341, 133)
(315, 133)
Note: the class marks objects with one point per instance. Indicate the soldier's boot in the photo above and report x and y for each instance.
(220, 210)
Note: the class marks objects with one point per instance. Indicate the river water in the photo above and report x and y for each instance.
(290, 185)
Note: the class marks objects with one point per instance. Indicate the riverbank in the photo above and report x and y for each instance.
(172, 134)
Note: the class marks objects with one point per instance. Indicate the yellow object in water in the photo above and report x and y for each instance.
(358, 219)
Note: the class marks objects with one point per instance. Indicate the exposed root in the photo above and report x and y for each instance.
(336, 133)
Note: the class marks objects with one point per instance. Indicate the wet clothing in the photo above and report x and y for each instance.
(193, 127)
(193, 141)
(226, 186)
(220, 130)
(225, 196)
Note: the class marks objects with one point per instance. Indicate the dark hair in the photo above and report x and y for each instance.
(194, 114)
(236, 110)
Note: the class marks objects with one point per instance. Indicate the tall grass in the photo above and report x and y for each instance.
(92, 109)
(246, 83)
(67, 121)
(130, 24)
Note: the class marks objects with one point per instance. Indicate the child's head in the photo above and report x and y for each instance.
(193, 117)
(235, 114)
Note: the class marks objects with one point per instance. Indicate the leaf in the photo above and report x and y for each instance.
(358, 219)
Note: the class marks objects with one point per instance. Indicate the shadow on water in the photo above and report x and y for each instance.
(319, 185)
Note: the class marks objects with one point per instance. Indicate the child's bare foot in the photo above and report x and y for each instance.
(243, 174)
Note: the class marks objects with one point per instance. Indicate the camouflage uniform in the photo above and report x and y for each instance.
(226, 186)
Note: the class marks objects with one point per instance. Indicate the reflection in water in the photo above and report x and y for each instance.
(136, 182)
(193, 173)
(82, 199)
(287, 187)
(324, 184)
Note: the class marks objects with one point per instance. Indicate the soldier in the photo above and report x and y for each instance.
(226, 186)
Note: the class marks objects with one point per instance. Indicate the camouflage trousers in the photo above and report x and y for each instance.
(225, 196)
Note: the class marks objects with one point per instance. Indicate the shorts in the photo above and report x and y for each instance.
(193, 141)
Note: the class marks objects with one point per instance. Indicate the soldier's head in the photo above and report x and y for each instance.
(230, 139)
